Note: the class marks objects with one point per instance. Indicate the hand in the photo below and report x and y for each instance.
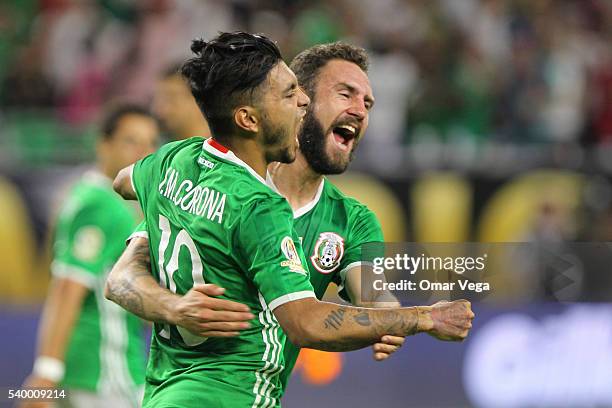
(387, 346)
(207, 316)
(34, 381)
(449, 321)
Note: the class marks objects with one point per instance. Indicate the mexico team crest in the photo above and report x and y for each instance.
(328, 252)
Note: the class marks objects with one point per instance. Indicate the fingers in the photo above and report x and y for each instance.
(384, 348)
(219, 304)
(224, 326)
(223, 316)
(209, 289)
(381, 356)
(393, 340)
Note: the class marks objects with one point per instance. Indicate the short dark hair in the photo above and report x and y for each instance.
(225, 73)
(307, 63)
(111, 120)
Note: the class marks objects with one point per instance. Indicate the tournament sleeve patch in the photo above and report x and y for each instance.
(293, 258)
(88, 243)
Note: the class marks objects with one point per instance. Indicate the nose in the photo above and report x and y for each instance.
(303, 99)
(358, 110)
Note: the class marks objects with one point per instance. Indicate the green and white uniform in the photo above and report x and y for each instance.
(211, 218)
(332, 229)
(106, 352)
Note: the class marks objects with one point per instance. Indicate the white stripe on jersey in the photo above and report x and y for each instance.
(272, 354)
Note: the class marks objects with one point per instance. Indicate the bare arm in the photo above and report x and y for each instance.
(61, 310)
(123, 183)
(363, 294)
(330, 327)
(131, 285)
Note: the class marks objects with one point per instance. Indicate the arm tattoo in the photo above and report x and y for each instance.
(363, 319)
(335, 318)
(361, 327)
(124, 290)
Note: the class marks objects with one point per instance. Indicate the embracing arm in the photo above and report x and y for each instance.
(131, 285)
(330, 327)
(363, 294)
(123, 183)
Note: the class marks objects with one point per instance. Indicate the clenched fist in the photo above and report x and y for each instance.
(449, 321)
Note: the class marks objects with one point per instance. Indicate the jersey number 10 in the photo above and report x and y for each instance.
(169, 268)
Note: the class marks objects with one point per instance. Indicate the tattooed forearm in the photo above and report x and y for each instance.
(363, 319)
(124, 295)
(132, 286)
(335, 318)
(362, 327)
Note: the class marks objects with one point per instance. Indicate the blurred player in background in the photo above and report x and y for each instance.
(87, 345)
(175, 107)
(212, 217)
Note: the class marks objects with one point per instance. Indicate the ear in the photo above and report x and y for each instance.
(247, 119)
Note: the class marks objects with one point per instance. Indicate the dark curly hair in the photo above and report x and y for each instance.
(307, 64)
(226, 72)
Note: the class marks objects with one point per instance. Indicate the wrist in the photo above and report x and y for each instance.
(49, 368)
(171, 311)
(424, 320)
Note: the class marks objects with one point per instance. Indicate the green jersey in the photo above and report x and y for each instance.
(211, 218)
(106, 351)
(332, 229)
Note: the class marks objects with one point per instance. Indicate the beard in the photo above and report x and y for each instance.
(313, 140)
(273, 135)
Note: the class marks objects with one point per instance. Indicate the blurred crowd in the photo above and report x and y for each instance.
(514, 71)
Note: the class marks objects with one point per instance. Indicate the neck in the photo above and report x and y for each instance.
(296, 181)
(195, 128)
(249, 152)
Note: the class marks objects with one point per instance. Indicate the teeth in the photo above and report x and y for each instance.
(349, 128)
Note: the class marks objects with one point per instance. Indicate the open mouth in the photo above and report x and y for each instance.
(344, 136)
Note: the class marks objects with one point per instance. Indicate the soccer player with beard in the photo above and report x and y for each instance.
(332, 226)
(335, 76)
(252, 260)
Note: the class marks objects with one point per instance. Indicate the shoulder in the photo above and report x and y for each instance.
(352, 206)
(264, 199)
(188, 145)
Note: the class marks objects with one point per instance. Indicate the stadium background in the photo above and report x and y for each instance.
(493, 123)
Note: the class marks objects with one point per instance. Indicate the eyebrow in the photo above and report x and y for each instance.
(353, 90)
(290, 87)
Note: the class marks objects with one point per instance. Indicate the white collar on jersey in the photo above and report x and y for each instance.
(304, 209)
(213, 147)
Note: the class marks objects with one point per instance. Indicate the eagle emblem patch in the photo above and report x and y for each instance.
(328, 252)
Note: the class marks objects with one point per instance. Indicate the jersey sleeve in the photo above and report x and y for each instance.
(147, 172)
(139, 232)
(143, 177)
(365, 229)
(80, 245)
(272, 253)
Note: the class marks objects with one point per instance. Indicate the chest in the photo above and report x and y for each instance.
(324, 236)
